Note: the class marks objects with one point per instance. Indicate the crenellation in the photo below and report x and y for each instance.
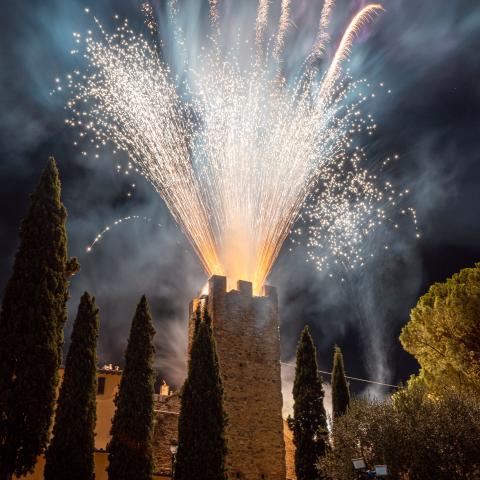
(271, 293)
(245, 288)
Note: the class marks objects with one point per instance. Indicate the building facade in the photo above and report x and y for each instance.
(108, 382)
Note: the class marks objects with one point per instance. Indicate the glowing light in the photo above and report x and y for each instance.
(261, 24)
(117, 222)
(234, 153)
(282, 28)
(363, 16)
(323, 37)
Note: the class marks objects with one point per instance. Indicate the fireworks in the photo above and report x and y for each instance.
(348, 205)
(107, 228)
(323, 37)
(282, 29)
(233, 150)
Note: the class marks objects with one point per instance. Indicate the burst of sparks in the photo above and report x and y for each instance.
(214, 13)
(150, 22)
(261, 22)
(323, 37)
(365, 15)
(234, 153)
(282, 28)
(348, 205)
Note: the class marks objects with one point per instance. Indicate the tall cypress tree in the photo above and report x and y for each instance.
(130, 448)
(309, 419)
(70, 453)
(31, 325)
(201, 440)
(340, 390)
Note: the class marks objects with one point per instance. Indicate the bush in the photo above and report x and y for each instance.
(418, 436)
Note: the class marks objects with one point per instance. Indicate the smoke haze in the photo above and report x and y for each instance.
(426, 55)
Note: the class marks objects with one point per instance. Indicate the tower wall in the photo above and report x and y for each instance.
(246, 330)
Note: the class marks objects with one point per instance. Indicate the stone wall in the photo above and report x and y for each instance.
(167, 409)
(246, 330)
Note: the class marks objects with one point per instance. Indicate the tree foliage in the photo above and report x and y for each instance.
(70, 453)
(309, 423)
(340, 390)
(130, 448)
(201, 439)
(416, 435)
(31, 328)
(443, 333)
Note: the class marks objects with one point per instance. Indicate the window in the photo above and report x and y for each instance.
(101, 386)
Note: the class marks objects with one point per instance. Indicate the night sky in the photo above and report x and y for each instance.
(426, 52)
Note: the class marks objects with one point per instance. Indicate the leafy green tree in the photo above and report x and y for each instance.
(31, 328)
(70, 453)
(309, 422)
(130, 448)
(442, 333)
(340, 390)
(201, 440)
(418, 436)
(356, 434)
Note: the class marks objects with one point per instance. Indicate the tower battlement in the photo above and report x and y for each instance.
(246, 331)
(217, 288)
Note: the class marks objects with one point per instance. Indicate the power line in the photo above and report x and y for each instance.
(350, 378)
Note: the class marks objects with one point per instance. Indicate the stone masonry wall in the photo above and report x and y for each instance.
(246, 330)
(167, 409)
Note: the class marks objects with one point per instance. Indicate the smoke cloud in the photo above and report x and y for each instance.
(426, 55)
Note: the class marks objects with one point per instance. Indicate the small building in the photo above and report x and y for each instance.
(108, 382)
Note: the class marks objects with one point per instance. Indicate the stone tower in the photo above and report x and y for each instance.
(246, 330)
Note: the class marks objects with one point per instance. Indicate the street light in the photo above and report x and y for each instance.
(173, 451)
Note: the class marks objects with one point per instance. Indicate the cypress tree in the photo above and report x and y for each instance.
(70, 453)
(309, 418)
(31, 328)
(130, 448)
(201, 440)
(340, 391)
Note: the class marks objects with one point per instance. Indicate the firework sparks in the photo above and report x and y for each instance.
(365, 15)
(261, 23)
(323, 37)
(282, 28)
(349, 204)
(234, 154)
(109, 227)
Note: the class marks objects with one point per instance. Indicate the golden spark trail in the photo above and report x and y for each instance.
(107, 228)
(214, 19)
(363, 16)
(282, 28)
(261, 23)
(323, 37)
(233, 153)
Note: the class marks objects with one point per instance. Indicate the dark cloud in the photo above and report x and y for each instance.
(425, 52)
